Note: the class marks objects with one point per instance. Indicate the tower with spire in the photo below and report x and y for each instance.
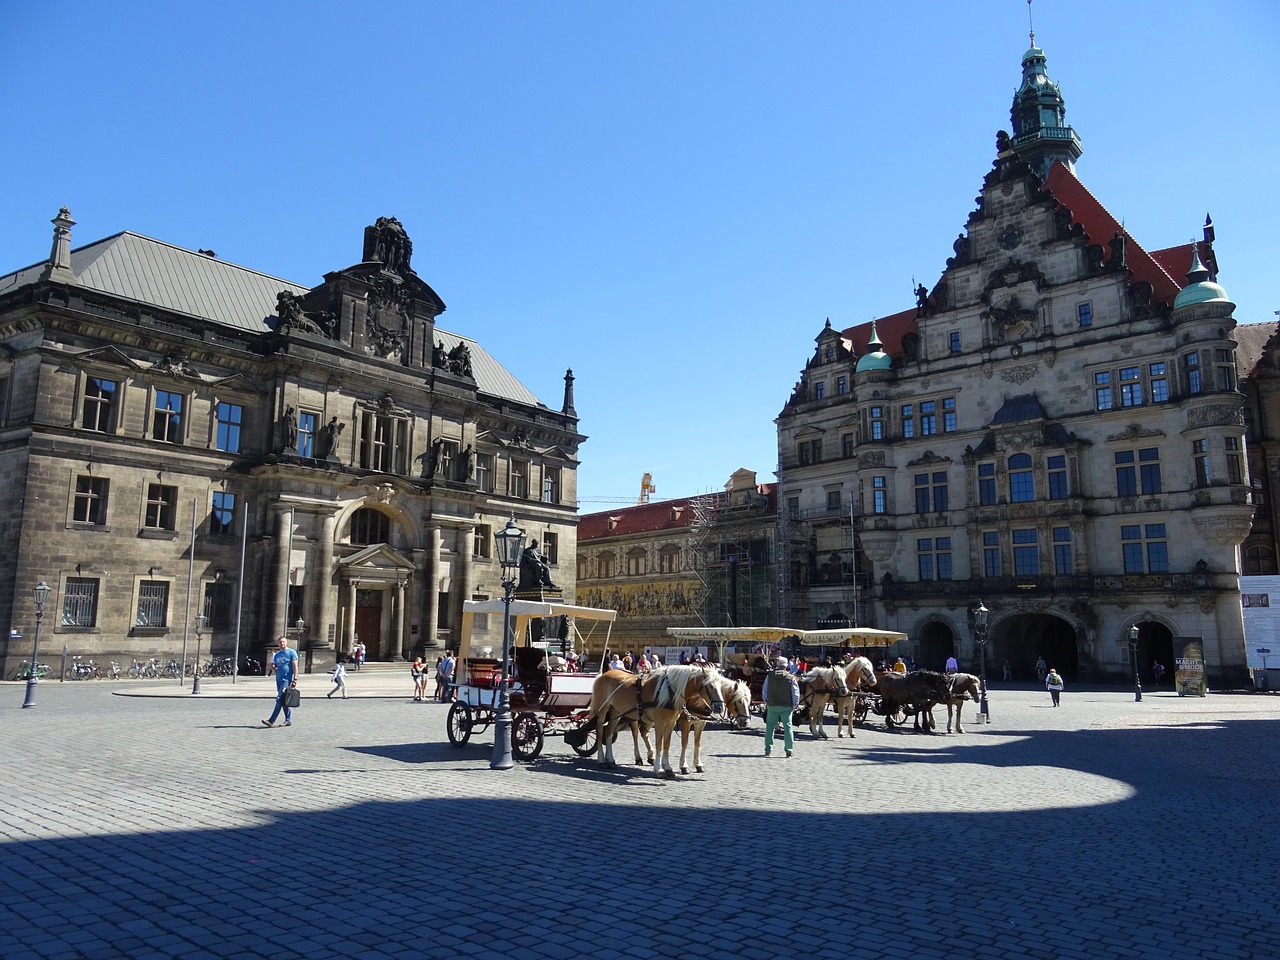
(1041, 134)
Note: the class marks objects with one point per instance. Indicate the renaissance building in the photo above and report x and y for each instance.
(1054, 429)
(183, 437)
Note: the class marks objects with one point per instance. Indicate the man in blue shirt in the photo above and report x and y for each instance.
(285, 661)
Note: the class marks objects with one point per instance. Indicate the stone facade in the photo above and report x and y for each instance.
(1055, 429)
(184, 436)
(691, 562)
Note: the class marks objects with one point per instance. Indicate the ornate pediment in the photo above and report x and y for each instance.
(1135, 431)
(927, 458)
(376, 559)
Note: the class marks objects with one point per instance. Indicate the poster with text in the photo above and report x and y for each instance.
(1188, 662)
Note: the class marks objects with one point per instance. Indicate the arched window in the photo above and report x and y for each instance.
(1022, 482)
(369, 526)
(1259, 558)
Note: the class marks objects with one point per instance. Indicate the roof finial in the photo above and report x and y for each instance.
(1031, 24)
(59, 264)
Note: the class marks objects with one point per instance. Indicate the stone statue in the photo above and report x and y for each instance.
(290, 431)
(436, 460)
(438, 356)
(534, 572)
(460, 360)
(469, 462)
(922, 296)
(328, 439)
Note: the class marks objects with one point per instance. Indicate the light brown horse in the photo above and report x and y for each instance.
(655, 700)
(817, 687)
(859, 675)
(733, 697)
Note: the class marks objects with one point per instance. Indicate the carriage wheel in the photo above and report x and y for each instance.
(526, 737)
(588, 745)
(459, 723)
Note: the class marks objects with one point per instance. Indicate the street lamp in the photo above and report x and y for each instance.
(41, 596)
(195, 678)
(510, 541)
(1133, 658)
(980, 628)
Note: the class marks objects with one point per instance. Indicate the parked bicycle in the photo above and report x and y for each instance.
(218, 667)
(23, 672)
(113, 670)
(145, 668)
(82, 669)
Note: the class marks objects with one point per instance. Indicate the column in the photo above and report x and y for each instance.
(349, 621)
(326, 597)
(280, 575)
(431, 588)
(464, 581)
(397, 627)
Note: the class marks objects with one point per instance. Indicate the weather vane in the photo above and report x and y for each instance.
(1031, 24)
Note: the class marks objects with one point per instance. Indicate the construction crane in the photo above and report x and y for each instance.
(646, 488)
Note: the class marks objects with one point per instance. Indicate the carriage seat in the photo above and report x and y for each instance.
(483, 672)
(531, 671)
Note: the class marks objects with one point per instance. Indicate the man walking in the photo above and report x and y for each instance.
(448, 667)
(781, 695)
(285, 662)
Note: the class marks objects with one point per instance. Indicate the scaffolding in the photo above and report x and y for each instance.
(821, 570)
(732, 548)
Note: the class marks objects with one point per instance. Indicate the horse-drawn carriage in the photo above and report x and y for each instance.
(546, 697)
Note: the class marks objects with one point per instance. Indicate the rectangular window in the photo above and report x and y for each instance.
(931, 492)
(384, 443)
(953, 339)
(802, 452)
(987, 484)
(80, 602)
(90, 504)
(948, 414)
(1058, 488)
(922, 492)
(880, 495)
(1234, 472)
(4, 399)
(166, 423)
(1149, 470)
(153, 604)
(308, 426)
(833, 500)
(482, 541)
(222, 517)
(820, 390)
(847, 445)
(1200, 451)
(551, 548)
(1126, 475)
(1224, 370)
(908, 421)
(162, 507)
(1102, 390)
(1191, 369)
(842, 386)
(1022, 479)
(550, 484)
(229, 417)
(1159, 376)
(1062, 551)
(1026, 553)
(100, 405)
(484, 472)
(1130, 386)
(933, 556)
(1144, 548)
(217, 606)
(608, 565)
(928, 418)
(1084, 313)
(991, 562)
(877, 423)
(793, 508)
(518, 481)
(668, 561)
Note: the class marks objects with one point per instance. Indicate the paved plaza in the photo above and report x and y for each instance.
(152, 826)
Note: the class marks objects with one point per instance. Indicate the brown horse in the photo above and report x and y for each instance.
(961, 687)
(817, 687)
(655, 700)
(859, 675)
(733, 697)
(914, 692)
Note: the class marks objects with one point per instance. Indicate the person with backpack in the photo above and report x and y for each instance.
(1054, 683)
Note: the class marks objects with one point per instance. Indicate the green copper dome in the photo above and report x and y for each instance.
(875, 358)
(1200, 289)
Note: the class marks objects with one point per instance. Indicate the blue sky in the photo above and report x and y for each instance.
(670, 198)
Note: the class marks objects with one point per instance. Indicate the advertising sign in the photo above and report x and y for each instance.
(1188, 662)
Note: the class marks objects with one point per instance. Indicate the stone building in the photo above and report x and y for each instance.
(184, 436)
(1055, 429)
(690, 562)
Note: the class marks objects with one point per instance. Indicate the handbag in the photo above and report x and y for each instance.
(291, 697)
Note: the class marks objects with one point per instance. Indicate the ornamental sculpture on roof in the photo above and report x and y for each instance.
(387, 243)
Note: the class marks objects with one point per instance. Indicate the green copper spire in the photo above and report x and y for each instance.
(1041, 135)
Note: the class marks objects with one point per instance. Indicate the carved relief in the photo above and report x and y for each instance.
(174, 365)
(1220, 415)
(1013, 273)
(873, 458)
(293, 317)
(390, 307)
(1135, 431)
(928, 457)
(1020, 374)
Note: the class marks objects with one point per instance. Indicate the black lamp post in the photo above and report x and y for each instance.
(510, 540)
(40, 593)
(980, 629)
(1133, 659)
(195, 677)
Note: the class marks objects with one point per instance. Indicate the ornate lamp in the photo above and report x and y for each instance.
(195, 679)
(510, 544)
(1133, 660)
(40, 594)
(980, 616)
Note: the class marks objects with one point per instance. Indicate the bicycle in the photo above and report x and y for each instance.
(23, 672)
(113, 670)
(82, 669)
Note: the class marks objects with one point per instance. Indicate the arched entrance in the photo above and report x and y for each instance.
(1155, 643)
(936, 644)
(1025, 637)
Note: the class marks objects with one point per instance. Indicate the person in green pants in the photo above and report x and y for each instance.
(781, 696)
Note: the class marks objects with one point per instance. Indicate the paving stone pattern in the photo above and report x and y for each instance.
(151, 827)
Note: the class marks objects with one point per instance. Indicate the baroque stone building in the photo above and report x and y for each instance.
(1055, 429)
(690, 562)
(181, 435)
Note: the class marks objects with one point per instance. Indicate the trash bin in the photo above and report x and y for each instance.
(1259, 678)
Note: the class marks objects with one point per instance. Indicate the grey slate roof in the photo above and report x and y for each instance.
(149, 271)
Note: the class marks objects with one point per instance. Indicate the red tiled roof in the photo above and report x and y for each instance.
(890, 329)
(652, 517)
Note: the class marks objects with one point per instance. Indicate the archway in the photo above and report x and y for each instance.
(1025, 637)
(937, 642)
(1155, 643)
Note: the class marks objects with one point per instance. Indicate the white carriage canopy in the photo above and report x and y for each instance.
(522, 611)
(723, 636)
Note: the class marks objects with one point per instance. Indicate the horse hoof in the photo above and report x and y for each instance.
(686, 770)
(699, 769)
